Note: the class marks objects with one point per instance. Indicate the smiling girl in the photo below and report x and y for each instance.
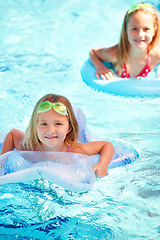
(138, 51)
(53, 127)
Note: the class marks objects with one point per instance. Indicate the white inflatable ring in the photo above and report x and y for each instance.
(69, 170)
(148, 86)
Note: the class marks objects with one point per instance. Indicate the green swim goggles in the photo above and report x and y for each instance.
(57, 106)
(136, 6)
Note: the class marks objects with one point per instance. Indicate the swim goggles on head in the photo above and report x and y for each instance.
(136, 6)
(57, 106)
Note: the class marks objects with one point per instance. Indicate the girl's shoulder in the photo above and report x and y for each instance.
(112, 50)
(83, 148)
(155, 56)
(18, 137)
(89, 148)
(155, 52)
(77, 147)
(108, 54)
(17, 134)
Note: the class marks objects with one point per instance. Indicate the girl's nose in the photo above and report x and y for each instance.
(51, 129)
(140, 33)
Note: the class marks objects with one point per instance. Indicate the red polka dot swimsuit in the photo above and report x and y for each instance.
(143, 73)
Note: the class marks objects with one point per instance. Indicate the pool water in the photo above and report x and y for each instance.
(43, 45)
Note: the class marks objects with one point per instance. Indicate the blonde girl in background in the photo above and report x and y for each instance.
(137, 52)
(53, 127)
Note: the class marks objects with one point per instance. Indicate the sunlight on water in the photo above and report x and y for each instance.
(43, 45)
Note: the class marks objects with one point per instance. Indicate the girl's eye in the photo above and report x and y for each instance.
(43, 124)
(59, 124)
(146, 29)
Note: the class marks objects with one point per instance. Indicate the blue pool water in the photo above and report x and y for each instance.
(43, 45)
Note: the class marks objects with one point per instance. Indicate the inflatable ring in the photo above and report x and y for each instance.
(69, 170)
(120, 86)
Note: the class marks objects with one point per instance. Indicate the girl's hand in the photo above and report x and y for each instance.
(105, 73)
(104, 148)
(100, 170)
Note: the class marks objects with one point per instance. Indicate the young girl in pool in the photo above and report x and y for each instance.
(53, 127)
(138, 52)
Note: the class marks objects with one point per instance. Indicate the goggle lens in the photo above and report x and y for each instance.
(45, 106)
(60, 108)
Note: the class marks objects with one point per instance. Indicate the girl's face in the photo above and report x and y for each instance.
(52, 129)
(140, 29)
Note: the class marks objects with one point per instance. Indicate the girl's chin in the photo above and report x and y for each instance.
(51, 147)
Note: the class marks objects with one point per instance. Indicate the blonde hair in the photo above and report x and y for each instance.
(31, 139)
(123, 46)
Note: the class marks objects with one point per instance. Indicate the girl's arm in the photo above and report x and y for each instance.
(104, 148)
(103, 54)
(155, 58)
(14, 139)
(106, 155)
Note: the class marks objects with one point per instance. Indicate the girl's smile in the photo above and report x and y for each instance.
(52, 137)
(52, 129)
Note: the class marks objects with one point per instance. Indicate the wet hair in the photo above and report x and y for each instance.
(123, 46)
(31, 138)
